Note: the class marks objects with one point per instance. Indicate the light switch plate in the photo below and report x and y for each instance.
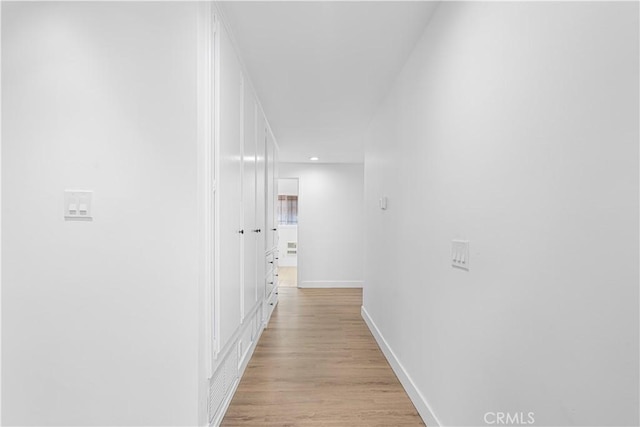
(460, 254)
(77, 205)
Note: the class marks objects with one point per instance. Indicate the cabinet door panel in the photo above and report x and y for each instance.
(261, 209)
(229, 190)
(252, 229)
(271, 196)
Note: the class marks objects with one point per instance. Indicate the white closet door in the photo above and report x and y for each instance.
(271, 196)
(229, 190)
(251, 226)
(261, 209)
(274, 178)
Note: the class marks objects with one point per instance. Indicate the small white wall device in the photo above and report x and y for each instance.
(77, 205)
(460, 254)
(383, 203)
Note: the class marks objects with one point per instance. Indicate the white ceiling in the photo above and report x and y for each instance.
(321, 68)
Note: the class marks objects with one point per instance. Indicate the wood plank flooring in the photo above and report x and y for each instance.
(287, 277)
(318, 364)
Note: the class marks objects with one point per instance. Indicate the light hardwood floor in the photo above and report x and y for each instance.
(317, 364)
(287, 277)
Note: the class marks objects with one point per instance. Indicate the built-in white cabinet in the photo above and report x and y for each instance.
(245, 283)
(261, 188)
(230, 230)
(271, 193)
(249, 204)
(271, 248)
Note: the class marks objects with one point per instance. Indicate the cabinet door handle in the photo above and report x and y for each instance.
(257, 230)
(241, 231)
(274, 229)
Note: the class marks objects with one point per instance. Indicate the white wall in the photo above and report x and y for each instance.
(513, 125)
(330, 223)
(99, 319)
(287, 187)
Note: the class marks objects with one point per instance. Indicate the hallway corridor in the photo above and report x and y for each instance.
(317, 364)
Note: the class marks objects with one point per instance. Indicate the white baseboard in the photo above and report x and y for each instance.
(331, 284)
(416, 397)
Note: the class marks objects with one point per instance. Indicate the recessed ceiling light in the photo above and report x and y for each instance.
(314, 159)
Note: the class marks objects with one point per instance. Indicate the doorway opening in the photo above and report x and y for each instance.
(287, 211)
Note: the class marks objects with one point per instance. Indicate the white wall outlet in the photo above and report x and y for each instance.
(77, 205)
(460, 254)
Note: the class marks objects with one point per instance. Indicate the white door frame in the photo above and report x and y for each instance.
(297, 179)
